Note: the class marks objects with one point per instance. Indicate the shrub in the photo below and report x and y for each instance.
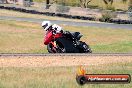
(109, 7)
(62, 8)
(107, 15)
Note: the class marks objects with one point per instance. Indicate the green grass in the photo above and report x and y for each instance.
(26, 37)
(59, 77)
(114, 47)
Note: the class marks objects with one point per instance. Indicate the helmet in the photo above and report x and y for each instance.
(46, 25)
(57, 28)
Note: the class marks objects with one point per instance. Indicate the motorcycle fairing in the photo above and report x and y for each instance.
(68, 44)
(76, 35)
(48, 37)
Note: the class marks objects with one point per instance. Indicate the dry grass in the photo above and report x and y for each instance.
(20, 36)
(94, 35)
(117, 4)
(106, 39)
(59, 72)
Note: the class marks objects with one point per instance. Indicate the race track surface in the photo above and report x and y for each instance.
(53, 60)
(85, 24)
(68, 54)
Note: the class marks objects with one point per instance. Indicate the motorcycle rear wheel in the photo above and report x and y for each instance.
(84, 48)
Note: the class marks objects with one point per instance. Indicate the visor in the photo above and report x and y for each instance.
(45, 26)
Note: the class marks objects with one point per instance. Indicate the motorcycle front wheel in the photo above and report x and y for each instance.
(50, 48)
(59, 49)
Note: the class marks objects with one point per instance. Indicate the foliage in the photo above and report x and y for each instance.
(117, 4)
(109, 7)
(62, 8)
(107, 2)
(84, 3)
(124, 1)
(107, 15)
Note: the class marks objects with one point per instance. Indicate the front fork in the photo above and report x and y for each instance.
(54, 44)
(54, 48)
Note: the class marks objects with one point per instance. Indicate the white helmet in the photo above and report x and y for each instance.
(46, 25)
(57, 28)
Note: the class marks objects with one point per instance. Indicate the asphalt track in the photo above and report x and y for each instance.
(70, 54)
(70, 23)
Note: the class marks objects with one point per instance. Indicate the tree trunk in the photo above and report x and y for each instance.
(47, 1)
(47, 4)
(84, 3)
(108, 2)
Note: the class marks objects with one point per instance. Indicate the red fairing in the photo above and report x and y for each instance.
(58, 35)
(50, 36)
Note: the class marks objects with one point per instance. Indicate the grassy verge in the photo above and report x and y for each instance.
(21, 37)
(26, 37)
(59, 77)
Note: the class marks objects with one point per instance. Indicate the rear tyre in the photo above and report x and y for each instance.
(84, 48)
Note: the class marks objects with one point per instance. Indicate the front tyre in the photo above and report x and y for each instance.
(50, 48)
(60, 47)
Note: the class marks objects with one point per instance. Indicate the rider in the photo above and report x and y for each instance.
(47, 25)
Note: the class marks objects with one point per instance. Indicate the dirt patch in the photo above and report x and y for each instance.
(46, 61)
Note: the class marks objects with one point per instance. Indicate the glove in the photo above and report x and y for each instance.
(67, 32)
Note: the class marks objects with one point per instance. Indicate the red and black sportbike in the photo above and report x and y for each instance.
(65, 42)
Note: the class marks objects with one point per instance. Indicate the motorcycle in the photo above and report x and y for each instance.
(62, 43)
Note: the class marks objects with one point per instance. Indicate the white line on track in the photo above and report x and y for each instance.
(70, 54)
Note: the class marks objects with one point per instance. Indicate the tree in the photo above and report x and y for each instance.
(47, 1)
(47, 4)
(108, 2)
(84, 3)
